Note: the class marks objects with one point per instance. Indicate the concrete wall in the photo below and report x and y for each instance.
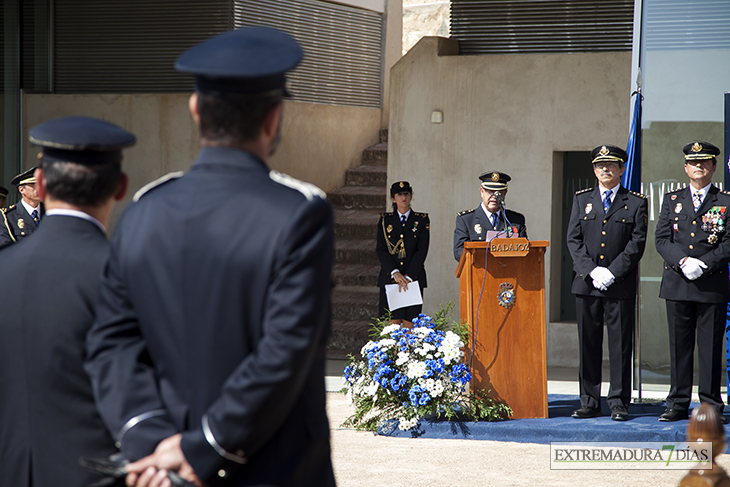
(511, 113)
(319, 141)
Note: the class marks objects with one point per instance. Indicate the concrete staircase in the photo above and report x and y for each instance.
(357, 207)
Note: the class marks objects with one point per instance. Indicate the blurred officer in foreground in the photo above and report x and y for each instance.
(22, 219)
(47, 414)
(472, 225)
(691, 236)
(208, 350)
(606, 239)
(3, 196)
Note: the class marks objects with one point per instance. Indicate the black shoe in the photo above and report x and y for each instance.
(585, 412)
(671, 415)
(619, 413)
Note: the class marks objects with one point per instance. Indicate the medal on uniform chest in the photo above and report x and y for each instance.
(678, 208)
(390, 228)
(589, 208)
(478, 228)
(713, 222)
(21, 223)
(415, 226)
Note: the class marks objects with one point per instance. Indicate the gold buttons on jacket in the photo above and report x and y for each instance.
(603, 232)
(691, 247)
(601, 257)
(694, 223)
(604, 221)
(222, 473)
(603, 244)
(692, 234)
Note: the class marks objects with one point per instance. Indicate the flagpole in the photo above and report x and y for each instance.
(632, 181)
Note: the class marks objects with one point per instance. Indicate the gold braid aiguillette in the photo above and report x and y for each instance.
(399, 247)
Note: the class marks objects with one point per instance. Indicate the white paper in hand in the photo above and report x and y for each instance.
(409, 297)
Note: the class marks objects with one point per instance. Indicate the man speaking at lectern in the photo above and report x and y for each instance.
(472, 225)
(606, 238)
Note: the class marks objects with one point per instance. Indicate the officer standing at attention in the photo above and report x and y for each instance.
(22, 219)
(208, 352)
(691, 236)
(402, 246)
(48, 418)
(606, 239)
(472, 225)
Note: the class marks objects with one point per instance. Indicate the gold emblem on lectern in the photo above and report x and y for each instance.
(506, 296)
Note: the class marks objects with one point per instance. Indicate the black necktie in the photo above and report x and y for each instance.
(34, 215)
(494, 221)
(403, 219)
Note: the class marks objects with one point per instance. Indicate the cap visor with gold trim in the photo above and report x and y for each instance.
(81, 140)
(609, 153)
(698, 150)
(26, 177)
(494, 180)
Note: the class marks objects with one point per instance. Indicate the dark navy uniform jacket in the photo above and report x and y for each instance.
(679, 233)
(415, 235)
(615, 240)
(213, 317)
(48, 418)
(17, 224)
(472, 226)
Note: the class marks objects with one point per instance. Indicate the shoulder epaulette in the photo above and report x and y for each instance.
(638, 194)
(725, 192)
(584, 190)
(465, 212)
(309, 190)
(156, 183)
(387, 213)
(422, 215)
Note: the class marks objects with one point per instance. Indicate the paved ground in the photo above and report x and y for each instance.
(364, 459)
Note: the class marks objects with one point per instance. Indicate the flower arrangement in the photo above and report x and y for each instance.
(413, 373)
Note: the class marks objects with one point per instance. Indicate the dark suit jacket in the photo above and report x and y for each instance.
(47, 414)
(415, 235)
(679, 233)
(472, 226)
(17, 224)
(216, 322)
(615, 240)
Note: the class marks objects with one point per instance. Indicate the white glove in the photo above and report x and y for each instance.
(602, 278)
(692, 268)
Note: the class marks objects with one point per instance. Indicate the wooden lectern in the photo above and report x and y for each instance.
(508, 326)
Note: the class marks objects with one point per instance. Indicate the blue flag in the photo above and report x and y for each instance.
(631, 179)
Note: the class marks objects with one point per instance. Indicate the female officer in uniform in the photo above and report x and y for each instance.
(402, 245)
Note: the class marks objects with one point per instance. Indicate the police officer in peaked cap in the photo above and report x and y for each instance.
(48, 415)
(606, 239)
(491, 215)
(691, 236)
(208, 353)
(22, 219)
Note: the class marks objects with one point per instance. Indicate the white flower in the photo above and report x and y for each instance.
(415, 370)
(403, 357)
(364, 350)
(406, 424)
(372, 388)
(387, 343)
(389, 329)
